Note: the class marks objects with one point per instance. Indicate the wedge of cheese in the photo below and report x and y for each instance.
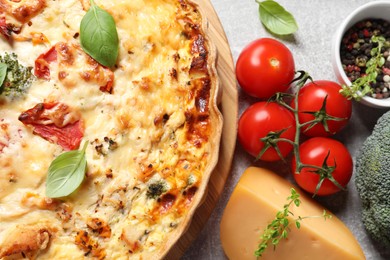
(258, 196)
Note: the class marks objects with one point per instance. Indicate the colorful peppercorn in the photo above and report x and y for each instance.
(355, 52)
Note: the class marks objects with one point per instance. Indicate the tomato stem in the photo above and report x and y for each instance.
(271, 140)
(321, 116)
(302, 79)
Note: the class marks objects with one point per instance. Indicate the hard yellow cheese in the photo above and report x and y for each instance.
(257, 197)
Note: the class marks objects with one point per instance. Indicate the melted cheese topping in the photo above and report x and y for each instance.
(153, 129)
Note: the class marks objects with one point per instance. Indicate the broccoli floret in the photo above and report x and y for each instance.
(18, 78)
(373, 181)
(156, 189)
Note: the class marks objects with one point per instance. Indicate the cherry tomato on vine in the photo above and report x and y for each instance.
(338, 166)
(264, 67)
(311, 99)
(258, 121)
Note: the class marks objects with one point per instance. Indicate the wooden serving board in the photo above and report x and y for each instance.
(229, 109)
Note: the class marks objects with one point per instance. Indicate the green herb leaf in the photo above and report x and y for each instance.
(275, 18)
(17, 78)
(66, 173)
(98, 36)
(3, 74)
(381, 61)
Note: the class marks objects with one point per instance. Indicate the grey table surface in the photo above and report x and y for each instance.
(311, 47)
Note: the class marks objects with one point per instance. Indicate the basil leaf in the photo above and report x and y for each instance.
(3, 74)
(66, 173)
(275, 18)
(98, 36)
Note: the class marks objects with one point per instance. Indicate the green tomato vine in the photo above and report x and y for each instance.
(321, 117)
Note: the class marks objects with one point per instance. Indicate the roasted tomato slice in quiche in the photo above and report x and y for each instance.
(42, 63)
(5, 29)
(55, 122)
(73, 65)
(2, 146)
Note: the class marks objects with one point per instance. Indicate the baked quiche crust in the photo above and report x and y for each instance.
(151, 123)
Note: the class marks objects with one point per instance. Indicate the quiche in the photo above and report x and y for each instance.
(148, 128)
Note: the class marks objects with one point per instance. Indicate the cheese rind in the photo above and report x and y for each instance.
(258, 196)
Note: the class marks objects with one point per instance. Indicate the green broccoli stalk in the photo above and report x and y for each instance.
(373, 181)
(17, 78)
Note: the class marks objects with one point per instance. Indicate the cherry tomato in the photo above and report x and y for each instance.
(264, 67)
(258, 120)
(313, 152)
(311, 98)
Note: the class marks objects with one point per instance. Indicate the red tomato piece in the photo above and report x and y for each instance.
(258, 121)
(2, 146)
(265, 67)
(311, 98)
(4, 29)
(42, 63)
(7, 29)
(51, 122)
(313, 152)
(68, 57)
(68, 137)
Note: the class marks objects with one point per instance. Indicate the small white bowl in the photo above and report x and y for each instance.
(375, 9)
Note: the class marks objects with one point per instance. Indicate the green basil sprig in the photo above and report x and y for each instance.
(98, 36)
(3, 74)
(66, 173)
(275, 18)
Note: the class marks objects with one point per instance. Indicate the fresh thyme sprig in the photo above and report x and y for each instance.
(361, 86)
(279, 228)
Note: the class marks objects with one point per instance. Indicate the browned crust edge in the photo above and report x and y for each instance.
(216, 125)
